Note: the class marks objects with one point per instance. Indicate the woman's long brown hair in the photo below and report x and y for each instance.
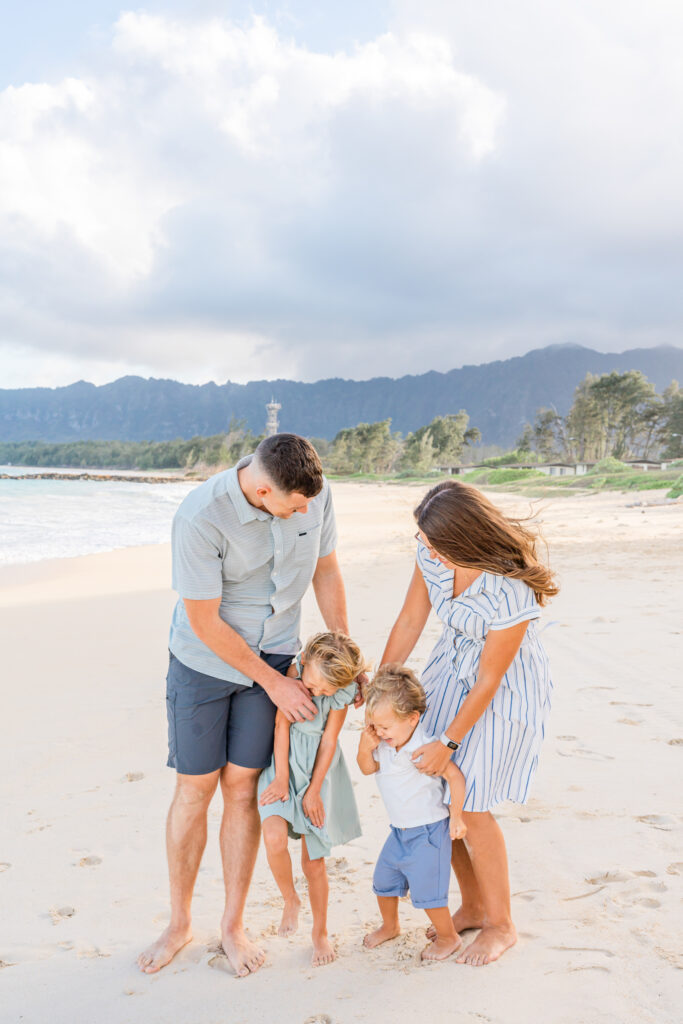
(468, 530)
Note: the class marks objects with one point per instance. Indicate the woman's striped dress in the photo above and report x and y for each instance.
(499, 754)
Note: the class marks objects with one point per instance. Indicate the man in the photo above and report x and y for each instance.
(246, 545)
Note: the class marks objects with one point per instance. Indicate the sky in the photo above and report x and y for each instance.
(239, 191)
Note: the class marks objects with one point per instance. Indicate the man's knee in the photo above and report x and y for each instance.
(239, 785)
(195, 790)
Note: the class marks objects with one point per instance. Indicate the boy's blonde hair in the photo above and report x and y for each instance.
(397, 686)
(338, 658)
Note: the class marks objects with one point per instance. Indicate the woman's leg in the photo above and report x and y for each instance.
(318, 893)
(275, 838)
(488, 860)
(470, 914)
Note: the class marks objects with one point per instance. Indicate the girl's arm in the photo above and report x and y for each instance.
(498, 653)
(279, 787)
(410, 622)
(312, 802)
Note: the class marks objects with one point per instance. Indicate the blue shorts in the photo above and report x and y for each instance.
(416, 860)
(212, 721)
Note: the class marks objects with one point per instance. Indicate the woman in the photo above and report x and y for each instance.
(487, 683)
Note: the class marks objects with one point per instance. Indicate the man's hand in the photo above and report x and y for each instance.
(291, 697)
(362, 681)
(277, 790)
(432, 758)
(313, 807)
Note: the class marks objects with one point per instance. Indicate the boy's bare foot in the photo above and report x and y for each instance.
(245, 956)
(441, 948)
(488, 946)
(290, 917)
(164, 949)
(380, 935)
(323, 953)
(463, 921)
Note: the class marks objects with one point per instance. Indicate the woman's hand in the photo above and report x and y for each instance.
(313, 807)
(432, 758)
(277, 790)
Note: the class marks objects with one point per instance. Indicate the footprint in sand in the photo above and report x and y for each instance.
(133, 776)
(4, 866)
(661, 821)
(319, 1018)
(678, 742)
(646, 901)
(58, 914)
(90, 861)
(671, 956)
(609, 877)
(645, 874)
(676, 868)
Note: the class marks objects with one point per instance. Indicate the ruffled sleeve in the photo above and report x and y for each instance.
(517, 604)
(343, 697)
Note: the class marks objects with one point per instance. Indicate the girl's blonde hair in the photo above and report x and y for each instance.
(397, 686)
(467, 529)
(338, 658)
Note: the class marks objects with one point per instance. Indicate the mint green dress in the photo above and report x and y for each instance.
(342, 823)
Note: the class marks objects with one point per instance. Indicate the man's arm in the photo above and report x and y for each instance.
(329, 592)
(290, 695)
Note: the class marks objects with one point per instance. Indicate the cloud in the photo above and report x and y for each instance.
(216, 199)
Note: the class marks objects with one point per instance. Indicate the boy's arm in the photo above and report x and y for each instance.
(456, 784)
(369, 741)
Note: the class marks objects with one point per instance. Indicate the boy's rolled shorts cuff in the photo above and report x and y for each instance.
(394, 894)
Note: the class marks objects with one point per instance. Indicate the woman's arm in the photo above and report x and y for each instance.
(410, 622)
(279, 787)
(500, 648)
(312, 802)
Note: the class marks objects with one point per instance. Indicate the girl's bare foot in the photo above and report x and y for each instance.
(164, 949)
(290, 917)
(323, 953)
(380, 935)
(488, 945)
(463, 921)
(441, 948)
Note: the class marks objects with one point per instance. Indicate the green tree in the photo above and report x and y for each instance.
(440, 442)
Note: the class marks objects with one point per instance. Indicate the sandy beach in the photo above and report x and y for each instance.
(596, 856)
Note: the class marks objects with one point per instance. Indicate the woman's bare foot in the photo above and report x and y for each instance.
(243, 954)
(290, 917)
(488, 946)
(441, 948)
(164, 949)
(380, 935)
(323, 953)
(463, 921)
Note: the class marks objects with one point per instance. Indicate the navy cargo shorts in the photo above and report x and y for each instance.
(212, 721)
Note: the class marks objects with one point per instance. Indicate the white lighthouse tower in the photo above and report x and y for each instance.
(272, 423)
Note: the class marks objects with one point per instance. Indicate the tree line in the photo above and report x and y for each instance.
(617, 415)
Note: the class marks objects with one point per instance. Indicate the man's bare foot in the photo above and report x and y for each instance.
(463, 921)
(244, 955)
(323, 953)
(380, 935)
(164, 949)
(488, 946)
(290, 917)
(441, 948)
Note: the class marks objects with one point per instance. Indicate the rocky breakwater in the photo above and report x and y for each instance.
(114, 477)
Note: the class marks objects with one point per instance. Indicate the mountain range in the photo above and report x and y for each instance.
(499, 396)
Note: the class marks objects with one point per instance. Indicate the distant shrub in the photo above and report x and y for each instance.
(609, 465)
(677, 489)
(508, 476)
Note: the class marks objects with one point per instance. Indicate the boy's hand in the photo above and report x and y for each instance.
(313, 807)
(277, 790)
(369, 738)
(458, 828)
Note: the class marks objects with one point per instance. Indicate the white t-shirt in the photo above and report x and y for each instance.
(410, 797)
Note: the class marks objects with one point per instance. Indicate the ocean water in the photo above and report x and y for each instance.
(64, 518)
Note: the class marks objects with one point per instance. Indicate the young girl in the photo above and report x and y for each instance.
(306, 791)
(417, 855)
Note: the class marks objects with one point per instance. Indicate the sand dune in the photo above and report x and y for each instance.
(596, 855)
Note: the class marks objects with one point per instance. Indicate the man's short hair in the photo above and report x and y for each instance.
(292, 463)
